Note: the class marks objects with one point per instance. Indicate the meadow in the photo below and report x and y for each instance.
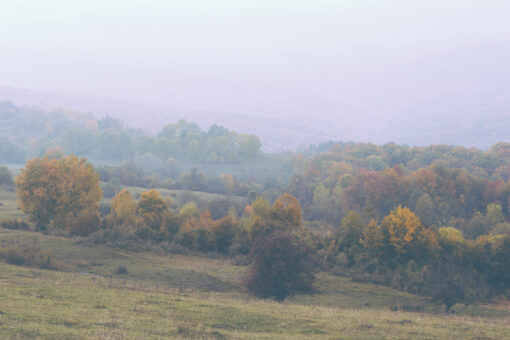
(99, 292)
(189, 296)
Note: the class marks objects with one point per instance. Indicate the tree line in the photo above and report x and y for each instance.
(108, 140)
(397, 249)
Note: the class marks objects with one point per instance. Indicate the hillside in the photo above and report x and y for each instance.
(276, 134)
(186, 296)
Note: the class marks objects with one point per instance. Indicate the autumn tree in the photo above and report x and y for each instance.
(151, 203)
(123, 206)
(401, 237)
(154, 212)
(56, 191)
(223, 232)
(287, 210)
(281, 266)
(195, 233)
(283, 215)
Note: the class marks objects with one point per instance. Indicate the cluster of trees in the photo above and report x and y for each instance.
(64, 192)
(186, 141)
(493, 163)
(151, 218)
(182, 141)
(265, 233)
(107, 140)
(346, 176)
(401, 251)
(375, 241)
(440, 196)
(29, 131)
(130, 174)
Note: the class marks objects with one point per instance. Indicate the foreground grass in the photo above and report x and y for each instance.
(184, 296)
(57, 305)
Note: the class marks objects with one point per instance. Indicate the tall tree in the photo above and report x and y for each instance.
(53, 191)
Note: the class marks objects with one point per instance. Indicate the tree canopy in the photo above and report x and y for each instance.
(53, 191)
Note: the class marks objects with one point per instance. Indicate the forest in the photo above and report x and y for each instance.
(432, 221)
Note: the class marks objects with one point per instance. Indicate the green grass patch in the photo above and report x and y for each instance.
(184, 296)
(55, 305)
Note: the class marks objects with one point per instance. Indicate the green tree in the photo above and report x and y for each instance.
(5, 177)
(189, 211)
(249, 145)
(352, 230)
(494, 214)
(425, 210)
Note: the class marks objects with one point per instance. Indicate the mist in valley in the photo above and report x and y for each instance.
(291, 72)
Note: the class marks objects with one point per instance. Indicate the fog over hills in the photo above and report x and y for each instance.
(478, 121)
(291, 72)
(276, 135)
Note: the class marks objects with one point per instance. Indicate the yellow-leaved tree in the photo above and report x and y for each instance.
(287, 210)
(123, 207)
(152, 207)
(283, 215)
(63, 192)
(401, 237)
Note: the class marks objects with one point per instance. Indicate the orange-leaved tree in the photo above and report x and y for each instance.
(58, 191)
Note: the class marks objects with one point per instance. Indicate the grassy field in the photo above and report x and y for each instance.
(8, 206)
(176, 194)
(187, 296)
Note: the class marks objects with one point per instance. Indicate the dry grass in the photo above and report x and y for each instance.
(53, 305)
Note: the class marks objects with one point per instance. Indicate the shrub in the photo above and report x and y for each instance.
(117, 237)
(27, 253)
(281, 266)
(86, 222)
(15, 224)
(121, 270)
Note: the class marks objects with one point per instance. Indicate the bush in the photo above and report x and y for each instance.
(121, 270)
(27, 253)
(15, 224)
(86, 222)
(281, 266)
(116, 237)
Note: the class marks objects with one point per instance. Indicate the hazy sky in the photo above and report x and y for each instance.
(333, 62)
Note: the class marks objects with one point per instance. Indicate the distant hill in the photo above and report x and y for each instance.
(477, 120)
(276, 135)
